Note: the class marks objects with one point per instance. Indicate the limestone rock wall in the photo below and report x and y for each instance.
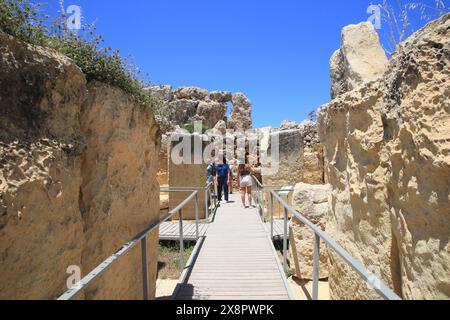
(290, 159)
(77, 177)
(313, 161)
(313, 165)
(312, 202)
(387, 149)
(301, 158)
(119, 191)
(41, 228)
(187, 174)
(290, 170)
(163, 161)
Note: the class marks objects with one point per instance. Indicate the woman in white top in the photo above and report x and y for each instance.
(245, 179)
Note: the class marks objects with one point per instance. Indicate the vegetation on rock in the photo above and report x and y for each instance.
(24, 20)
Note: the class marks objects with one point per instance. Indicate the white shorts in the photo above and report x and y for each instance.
(246, 182)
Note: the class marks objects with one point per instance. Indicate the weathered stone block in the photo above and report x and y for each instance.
(190, 174)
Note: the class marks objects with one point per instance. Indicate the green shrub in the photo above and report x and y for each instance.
(316, 147)
(24, 20)
(190, 127)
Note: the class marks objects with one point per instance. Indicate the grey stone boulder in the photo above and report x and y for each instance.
(193, 93)
(221, 96)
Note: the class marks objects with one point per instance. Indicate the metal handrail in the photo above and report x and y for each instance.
(382, 289)
(141, 237)
(260, 190)
(197, 217)
(208, 195)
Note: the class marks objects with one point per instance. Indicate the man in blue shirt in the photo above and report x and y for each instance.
(223, 172)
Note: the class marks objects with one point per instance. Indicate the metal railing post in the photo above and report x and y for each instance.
(285, 235)
(196, 217)
(144, 267)
(319, 235)
(316, 267)
(211, 203)
(208, 188)
(271, 215)
(180, 214)
(258, 197)
(263, 206)
(127, 247)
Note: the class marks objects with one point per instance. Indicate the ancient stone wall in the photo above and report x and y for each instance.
(387, 149)
(77, 177)
(119, 191)
(312, 202)
(290, 170)
(190, 174)
(301, 157)
(187, 104)
(163, 161)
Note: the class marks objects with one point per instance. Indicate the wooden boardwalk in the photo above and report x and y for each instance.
(235, 261)
(170, 231)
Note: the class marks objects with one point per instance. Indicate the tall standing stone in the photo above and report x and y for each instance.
(360, 59)
(241, 116)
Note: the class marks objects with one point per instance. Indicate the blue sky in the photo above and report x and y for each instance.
(276, 52)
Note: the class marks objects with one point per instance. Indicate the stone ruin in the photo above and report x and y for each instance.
(188, 104)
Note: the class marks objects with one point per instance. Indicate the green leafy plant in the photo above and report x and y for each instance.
(316, 147)
(24, 20)
(190, 127)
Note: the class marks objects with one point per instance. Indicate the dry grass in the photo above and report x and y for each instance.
(169, 259)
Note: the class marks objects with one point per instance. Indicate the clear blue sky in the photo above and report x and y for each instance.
(276, 52)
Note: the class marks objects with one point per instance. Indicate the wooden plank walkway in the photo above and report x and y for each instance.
(170, 231)
(236, 261)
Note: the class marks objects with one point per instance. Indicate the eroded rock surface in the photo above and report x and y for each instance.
(360, 59)
(192, 93)
(211, 113)
(241, 115)
(221, 96)
(41, 229)
(119, 192)
(312, 202)
(77, 177)
(163, 92)
(187, 104)
(387, 148)
(182, 111)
